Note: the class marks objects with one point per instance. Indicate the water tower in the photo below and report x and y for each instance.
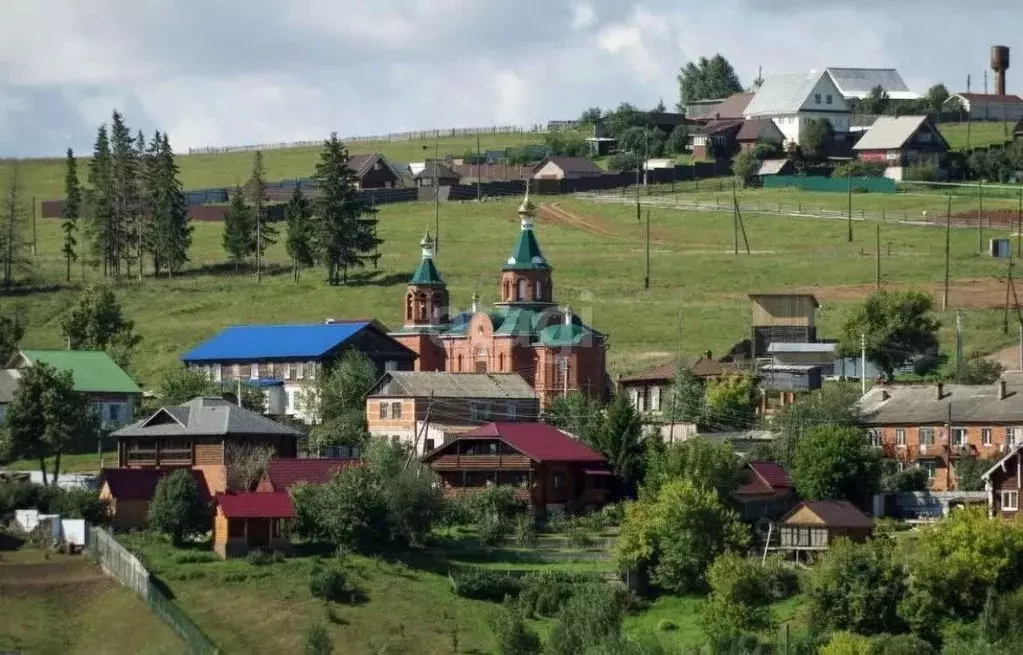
(999, 64)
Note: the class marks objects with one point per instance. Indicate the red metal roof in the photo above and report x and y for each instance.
(140, 484)
(285, 473)
(834, 514)
(538, 441)
(257, 505)
(991, 97)
(772, 474)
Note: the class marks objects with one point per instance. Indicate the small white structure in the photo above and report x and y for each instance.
(988, 106)
(73, 531)
(69, 480)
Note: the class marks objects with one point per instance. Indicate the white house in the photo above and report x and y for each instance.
(857, 83)
(792, 100)
(988, 106)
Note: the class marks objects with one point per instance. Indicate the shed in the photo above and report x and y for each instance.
(782, 317)
(790, 377)
(245, 521)
(813, 525)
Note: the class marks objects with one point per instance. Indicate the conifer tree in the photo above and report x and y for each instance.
(100, 201)
(72, 212)
(264, 233)
(344, 237)
(143, 210)
(122, 175)
(14, 255)
(152, 166)
(175, 233)
(238, 232)
(298, 214)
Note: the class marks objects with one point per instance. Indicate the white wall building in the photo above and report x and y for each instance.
(792, 100)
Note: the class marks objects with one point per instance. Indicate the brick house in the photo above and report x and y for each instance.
(934, 425)
(550, 468)
(524, 333)
(425, 409)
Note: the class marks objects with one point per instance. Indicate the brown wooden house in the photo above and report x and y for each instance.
(550, 468)
(813, 525)
(245, 521)
(765, 492)
(374, 172)
(196, 435)
(128, 492)
(1003, 484)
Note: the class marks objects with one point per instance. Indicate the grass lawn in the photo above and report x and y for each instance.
(598, 258)
(982, 133)
(78, 463)
(66, 604)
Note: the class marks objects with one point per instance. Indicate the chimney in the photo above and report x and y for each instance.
(941, 391)
(1001, 390)
(999, 64)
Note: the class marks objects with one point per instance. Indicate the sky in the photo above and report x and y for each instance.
(236, 72)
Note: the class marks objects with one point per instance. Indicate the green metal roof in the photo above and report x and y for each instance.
(526, 256)
(564, 335)
(517, 321)
(93, 370)
(426, 274)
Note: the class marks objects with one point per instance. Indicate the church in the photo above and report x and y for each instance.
(525, 333)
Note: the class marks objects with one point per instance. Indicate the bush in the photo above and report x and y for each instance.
(859, 168)
(176, 509)
(900, 645)
(666, 625)
(590, 618)
(557, 521)
(920, 173)
(24, 495)
(260, 557)
(782, 579)
(525, 530)
(493, 529)
(544, 593)
(317, 640)
(623, 161)
(579, 538)
(613, 514)
(79, 503)
(327, 584)
(483, 584)
(511, 634)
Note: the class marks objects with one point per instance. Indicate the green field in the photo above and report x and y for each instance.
(55, 604)
(598, 261)
(981, 133)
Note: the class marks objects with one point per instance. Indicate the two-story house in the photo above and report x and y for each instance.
(425, 409)
(111, 391)
(935, 425)
(899, 141)
(792, 100)
(1004, 482)
(293, 355)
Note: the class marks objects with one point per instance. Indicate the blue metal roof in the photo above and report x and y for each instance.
(253, 342)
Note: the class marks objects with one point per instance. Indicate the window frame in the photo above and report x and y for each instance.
(900, 436)
(385, 410)
(396, 409)
(1010, 493)
(959, 437)
(986, 436)
(926, 436)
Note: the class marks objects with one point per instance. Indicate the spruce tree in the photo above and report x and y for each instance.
(264, 233)
(122, 174)
(143, 210)
(298, 214)
(72, 211)
(345, 238)
(176, 232)
(14, 255)
(153, 188)
(238, 232)
(100, 201)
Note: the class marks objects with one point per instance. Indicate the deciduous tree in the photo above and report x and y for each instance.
(706, 464)
(246, 464)
(731, 403)
(936, 97)
(896, 325)
(836, 464)
(97, 322)
(816, 139)
(833, 406)
(338, 404)
(578, 414)
(707, 79)
(738, 603)
(183, 384)
(12, 329)
(678, 140)
(177, 509)
(72, 212)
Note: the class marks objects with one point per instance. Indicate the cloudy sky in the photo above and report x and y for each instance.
(222, 72)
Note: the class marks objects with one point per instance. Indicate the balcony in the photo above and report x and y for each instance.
(457, 492)
(482, 462)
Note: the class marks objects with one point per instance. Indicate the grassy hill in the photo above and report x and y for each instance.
(44, 178)
(66, 604)
(598, 254)
(981, 133)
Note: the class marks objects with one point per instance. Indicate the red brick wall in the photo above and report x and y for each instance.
(940, 453)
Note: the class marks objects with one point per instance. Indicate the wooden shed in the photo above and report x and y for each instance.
(813, 525)
(252, 520)
(782, 318)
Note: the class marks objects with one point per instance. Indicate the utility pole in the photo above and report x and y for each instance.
(878, 256)
(959, 339)
(479, 164)
(1019, 223)
(436, 195)
(968, 121)
(735, 222)
(639, 215)
(948, 235)
(863, 363)
(980, 217)
(1021, 345)
(35, 239)
(646, 280)
(849, 209)
(1008, 285)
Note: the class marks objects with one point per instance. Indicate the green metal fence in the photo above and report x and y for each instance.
(123, 566)
(836, 185)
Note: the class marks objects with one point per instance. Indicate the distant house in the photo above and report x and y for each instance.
(857, 83)
(127, 493)
(899, 141)
(793, 100)
(731, 108)
(197, 435)
(765, 491)
(294, 355)
(759, 130)
(436, 173)
(702, 109)
(988, 106)
(491, 172)
(109, 389)
(557, 167)
(805, 354)
(1004, 482)
(549, 468)
(283, 474)
(374, 171)
(716, 139)
(813, 525)
(782, 318)
(651, 388)
(425, 409)
(247, 521)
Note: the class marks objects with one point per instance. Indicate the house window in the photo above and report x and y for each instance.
(479, 411)
(299, 370)
(828, 99)
(900, 436)
(385, 410)
(216, 373)
(395, 439)
(923, 137)
(428, 446)
(817, 98)
(1012, 436)
(926, 436)
(254, 371)
(520, 291)
(958, 436)
(511, 411)
(537, 291)
(1010, 500)
(634, 397)
(875, 437)
(931, 467)
(236, 371)
(291, 400)
(557, 481)
(114, 412)
(655, 399)
(287, 371)
(391, 365)
(311, 369)
(396, 409)
(985, 436)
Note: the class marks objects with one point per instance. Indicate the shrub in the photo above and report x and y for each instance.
(176, 509)
(738, 602)
(590, 618)
(24, 495)
(328, 584)
(317, 640)
(623, 161)
(900, 645)
(921, 173)
(666, 625)
(782, 579)
(79, 503)
(544, 593)
(525, 530)
(483, 584)
(613, 514)
(557, 521)
(512, 635)
(579, 538)
(260, 557)
(493, 529)
(859, 168)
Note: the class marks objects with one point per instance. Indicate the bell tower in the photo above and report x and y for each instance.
(526, 275)
(425, 312)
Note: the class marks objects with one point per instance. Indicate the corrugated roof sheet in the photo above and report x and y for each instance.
(285, 473)
(785, 347)
(772, 166)
(256, 505)
(990, 97)
(858, 82)
(204, 417)
(889, 132)
(419, 384)
(919, 404)
(783, 93)
(834, 514)
(772, 474)
(753, 128)
(572, 165)
(701, 366)
(140, 484)
(258, 342)
(734, 106)
(539, 441)
(93, 370)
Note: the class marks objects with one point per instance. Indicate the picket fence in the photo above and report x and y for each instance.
(123, 566)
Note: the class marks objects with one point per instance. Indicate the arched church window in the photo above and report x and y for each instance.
(538, 290)
(421, 307)
(408, 307)
(521, 291)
